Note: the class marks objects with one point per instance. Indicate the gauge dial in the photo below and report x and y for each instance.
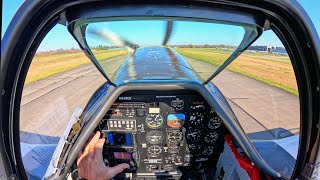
(154, 150)
(173, 148)
(193, 134)
(191, 147)
(168, 167)
(214, 122)
(154, 137)
(154, 121)
(208, 151)
(196, 118)
(174, 136)
(211, 137)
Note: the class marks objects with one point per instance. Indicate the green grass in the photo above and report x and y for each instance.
(44, 66)
(269, 81)
(275, 70)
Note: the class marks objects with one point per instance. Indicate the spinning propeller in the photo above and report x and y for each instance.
(117, 40)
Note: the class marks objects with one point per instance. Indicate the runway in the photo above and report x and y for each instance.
(265, 112)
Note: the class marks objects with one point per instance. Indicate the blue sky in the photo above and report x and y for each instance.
(184, 32)
(58, 37)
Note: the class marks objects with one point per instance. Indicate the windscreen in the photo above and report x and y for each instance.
(161, 49)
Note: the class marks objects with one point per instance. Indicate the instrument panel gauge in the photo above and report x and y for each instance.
(173, 148)
(191, 147)
(168, 167)
(208, 151)
(196, 118)
(214, 122)
(174, 136)
(154, 137)
(154, 150)
(175, 158)
(211, 137)
(154, 121)
(193, 135)
(177, 104)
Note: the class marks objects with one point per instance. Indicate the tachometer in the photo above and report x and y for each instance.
(154, 137)
(154, 121)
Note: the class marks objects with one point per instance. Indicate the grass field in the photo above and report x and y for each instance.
(275, 70)
(45, 65)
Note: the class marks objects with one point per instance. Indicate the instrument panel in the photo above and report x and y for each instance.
(162, 132)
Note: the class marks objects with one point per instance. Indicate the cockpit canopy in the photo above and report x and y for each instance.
(150, 43)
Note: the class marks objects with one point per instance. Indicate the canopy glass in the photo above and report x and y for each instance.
(193, 50)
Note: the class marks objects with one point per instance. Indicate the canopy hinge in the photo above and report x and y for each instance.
(75, 128)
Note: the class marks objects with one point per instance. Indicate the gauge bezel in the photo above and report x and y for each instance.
(175, 141)
(216, 135)
(152, 154)
(154, 127)
(217, 123)
(151, 132)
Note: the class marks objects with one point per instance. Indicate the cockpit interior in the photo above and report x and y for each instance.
(171, 86)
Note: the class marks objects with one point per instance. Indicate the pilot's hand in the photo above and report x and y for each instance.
(90, 161)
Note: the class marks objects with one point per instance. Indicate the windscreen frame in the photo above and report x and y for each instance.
(77, 23)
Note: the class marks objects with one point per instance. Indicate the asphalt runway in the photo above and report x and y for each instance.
(265, 112)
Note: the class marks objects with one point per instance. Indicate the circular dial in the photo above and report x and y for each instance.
(196, 118)
(208, 151)
(191, 147)
(211, 137)
(173, 148)
(168, 167)
(154, 137)
(154, 150)
(214, 122)
(193, 135)
(154, 120)
(174, 136)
